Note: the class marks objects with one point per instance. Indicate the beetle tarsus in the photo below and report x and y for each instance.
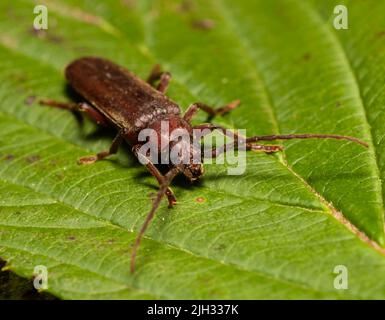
(87, 160)
(171, 198)
(227, 108)
(101, 155)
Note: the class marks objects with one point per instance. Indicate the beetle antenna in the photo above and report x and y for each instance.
(162, 191)
(305, 136)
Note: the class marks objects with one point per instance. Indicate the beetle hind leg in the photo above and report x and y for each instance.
(94, 115)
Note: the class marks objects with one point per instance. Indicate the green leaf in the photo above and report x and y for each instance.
(277, 231)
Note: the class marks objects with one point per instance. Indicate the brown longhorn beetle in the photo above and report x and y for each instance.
(114, 97)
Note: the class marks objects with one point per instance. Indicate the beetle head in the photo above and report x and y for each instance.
(188, 159)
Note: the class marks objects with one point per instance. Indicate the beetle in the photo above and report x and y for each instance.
(115, 97)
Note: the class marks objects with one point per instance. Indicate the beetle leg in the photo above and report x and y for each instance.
(211, 127)
(101, 155)
(156, 173)
(164, 82)
(193, 109)
(78, 107)
(163, 77)
(154, 74)
(61, 105)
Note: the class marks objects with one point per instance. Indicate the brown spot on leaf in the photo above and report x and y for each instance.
(71, 238)
(200, 199)
(203, 24)
(186, 6)
(29, 100)
(33, 158)
(9, 157)
(306, 57)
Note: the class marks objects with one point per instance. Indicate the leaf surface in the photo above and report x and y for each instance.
(277, 231)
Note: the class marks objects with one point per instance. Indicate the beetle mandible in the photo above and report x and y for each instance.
(115, 97)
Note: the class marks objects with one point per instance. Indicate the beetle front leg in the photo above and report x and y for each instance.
(78, 107)
(155, 172)
(193, 109)
(101, 155)
(163, 77)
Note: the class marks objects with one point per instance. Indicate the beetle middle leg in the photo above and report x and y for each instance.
(156, 173)
(193, 109)
(163, 77)
(101, 155)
